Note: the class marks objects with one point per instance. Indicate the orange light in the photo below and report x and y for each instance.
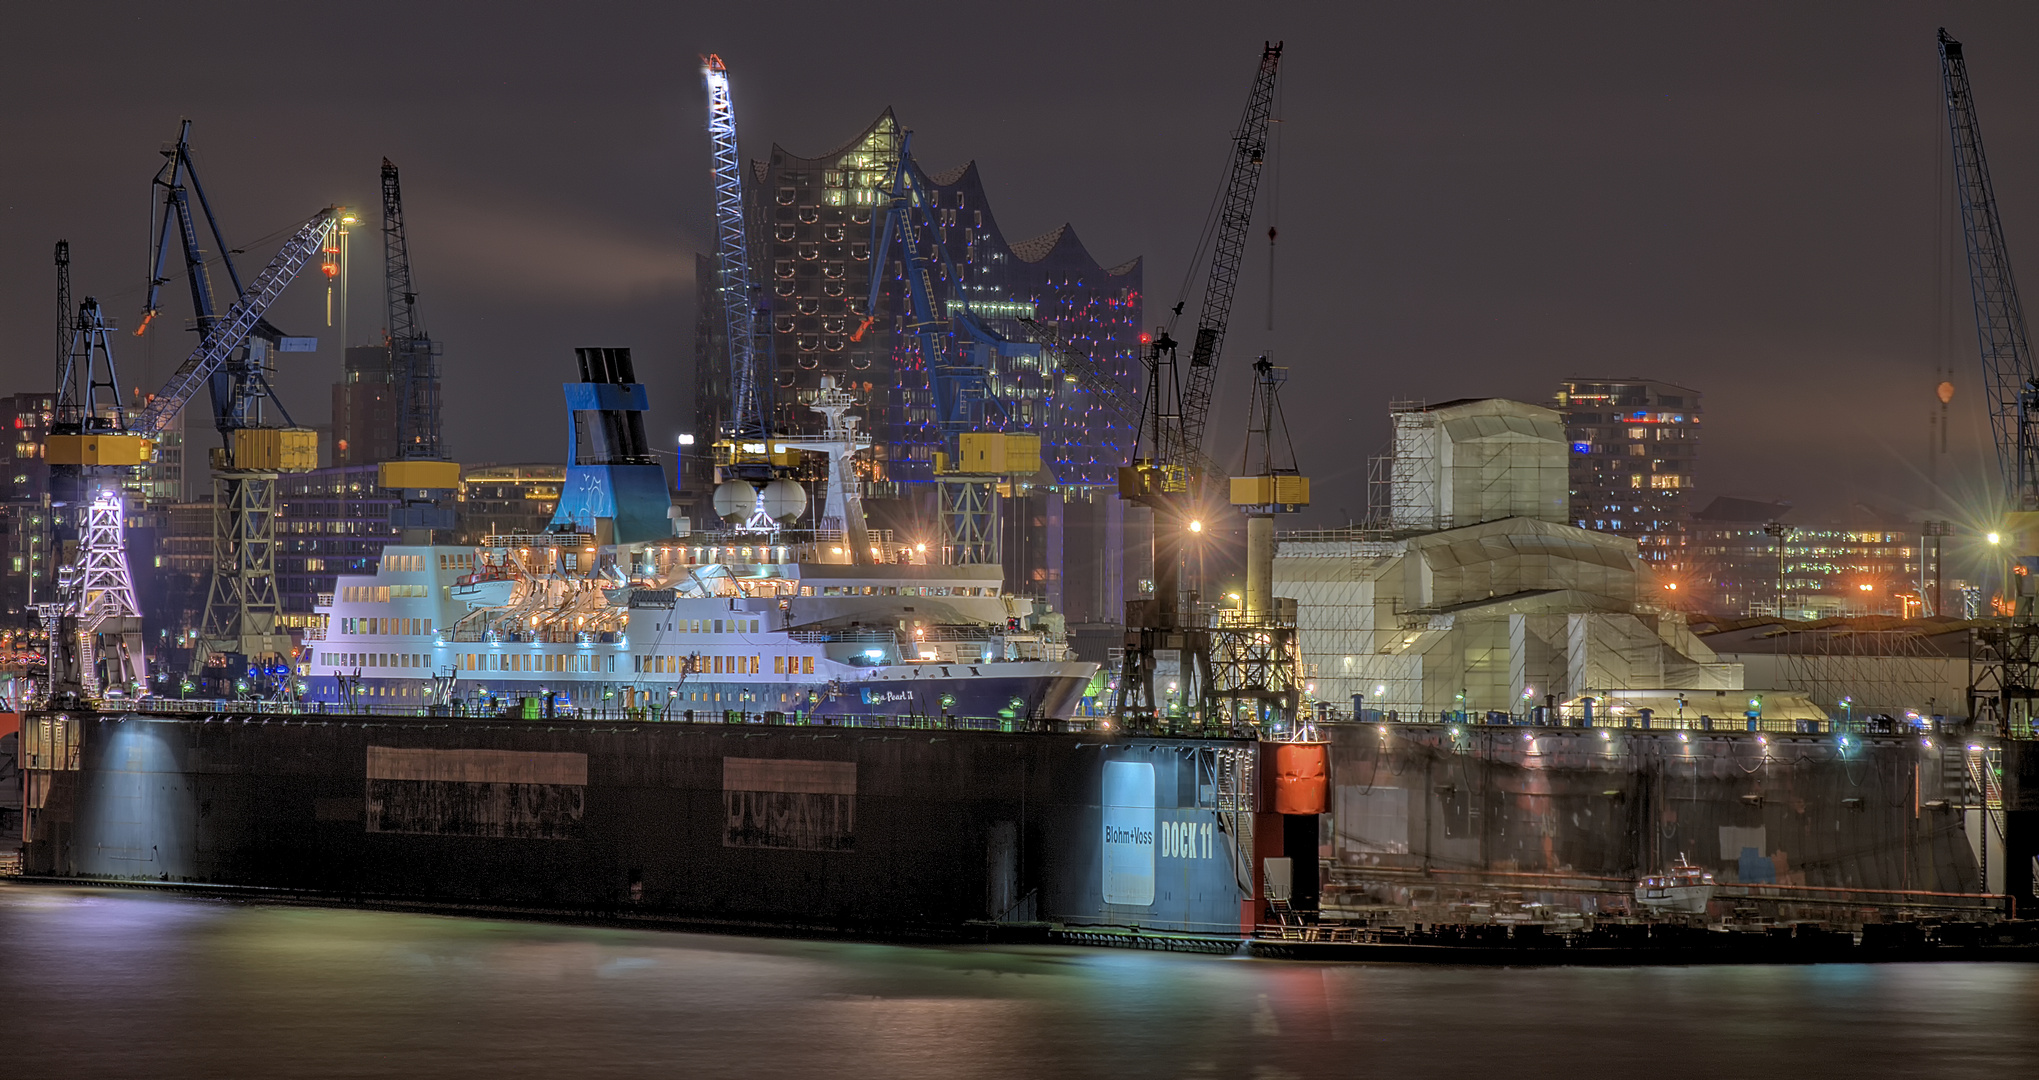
(1671, 585)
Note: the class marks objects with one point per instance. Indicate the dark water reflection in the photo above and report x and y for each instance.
(112, 983)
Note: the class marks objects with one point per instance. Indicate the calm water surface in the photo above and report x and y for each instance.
(108, 983)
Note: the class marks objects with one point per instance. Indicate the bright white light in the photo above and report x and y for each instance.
(686, 440)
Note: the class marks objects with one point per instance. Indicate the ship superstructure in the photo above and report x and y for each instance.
(700, 625)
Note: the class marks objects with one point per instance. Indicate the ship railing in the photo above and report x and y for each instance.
(1692, 721)
(852, 637)
(515, 708)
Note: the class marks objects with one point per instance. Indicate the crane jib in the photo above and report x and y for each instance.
(2001, 335)
(1228, 252)
(230, 331)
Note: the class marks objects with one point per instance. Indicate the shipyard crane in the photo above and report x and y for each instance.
(93, 614)
(2004, 657)
(1167, 656)
(1255, 655)
(64, 312)
(750, 385)
(959, 352)
(2007, 367)
(421, 475)
(98, 603)
(233, 359)
(754, 471)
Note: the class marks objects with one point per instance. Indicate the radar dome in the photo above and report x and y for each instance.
(785, 501)
(734, 500)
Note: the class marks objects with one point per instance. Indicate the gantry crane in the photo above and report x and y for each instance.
(1167, 654)
(233, 360)
(99, 442)
(93, 615)
(421, 474)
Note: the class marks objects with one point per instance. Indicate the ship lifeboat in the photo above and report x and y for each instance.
(484, 590)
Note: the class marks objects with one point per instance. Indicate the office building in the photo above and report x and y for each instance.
(1634, 456)
(1750, 557)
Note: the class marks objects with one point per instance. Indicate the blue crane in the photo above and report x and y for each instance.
(239, 382)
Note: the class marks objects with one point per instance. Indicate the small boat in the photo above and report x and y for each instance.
(1683, 889)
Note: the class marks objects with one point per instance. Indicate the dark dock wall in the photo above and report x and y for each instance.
(833, 828)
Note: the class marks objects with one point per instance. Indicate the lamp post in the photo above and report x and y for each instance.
(1997, 563)
(1779, 532)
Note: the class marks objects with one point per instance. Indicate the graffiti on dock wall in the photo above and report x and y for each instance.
(789, 804)
(490, 793)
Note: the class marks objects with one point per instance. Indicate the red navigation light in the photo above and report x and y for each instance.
(1146, 338)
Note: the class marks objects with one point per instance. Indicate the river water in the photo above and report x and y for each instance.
(113, 983)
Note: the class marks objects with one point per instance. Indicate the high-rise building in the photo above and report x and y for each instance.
(1634, 453)
(27, 532)
(364, 408)
(499, 499)
(330, 522)
(814, 257)
(24, 472)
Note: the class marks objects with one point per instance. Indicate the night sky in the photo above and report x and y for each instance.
(1751, 200)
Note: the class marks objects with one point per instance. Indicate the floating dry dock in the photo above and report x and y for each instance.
(924, 828)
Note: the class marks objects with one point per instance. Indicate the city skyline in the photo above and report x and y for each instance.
(1680, 215)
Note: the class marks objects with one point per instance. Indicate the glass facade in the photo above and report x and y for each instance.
(813, 220)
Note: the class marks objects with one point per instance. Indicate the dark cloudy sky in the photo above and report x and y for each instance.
(1475, 199)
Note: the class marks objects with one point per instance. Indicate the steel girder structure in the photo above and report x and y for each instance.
(242, 606)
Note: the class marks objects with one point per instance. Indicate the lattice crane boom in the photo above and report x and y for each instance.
(413, 355)
(1228, 251)
(2007, 366)
(231, 331)
(750, 405)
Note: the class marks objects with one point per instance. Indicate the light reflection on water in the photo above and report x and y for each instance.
(116, 983)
